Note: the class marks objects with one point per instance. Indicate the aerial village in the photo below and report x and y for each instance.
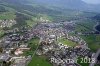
(15, 43)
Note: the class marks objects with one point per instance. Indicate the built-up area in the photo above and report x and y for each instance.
(15, 43)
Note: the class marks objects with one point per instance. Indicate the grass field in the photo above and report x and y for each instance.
(81, 62)
(67, 42)
(93, 41)
(81, 28)
(85, 25)
(36, 60)
(30, 23)
(1, 33)
(39, 61)
(7, 15)
(33, 43)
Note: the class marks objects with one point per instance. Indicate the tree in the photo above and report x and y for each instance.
(1, 49)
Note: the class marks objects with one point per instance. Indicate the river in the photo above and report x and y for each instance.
(97, 27)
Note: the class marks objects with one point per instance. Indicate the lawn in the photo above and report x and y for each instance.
(1, 33)
(7, 15)
(32, 22)
(33, 43)
(39, 61)
(36, 60)
(81, 28)
(81, 62)
(67, 42)
(38, 18)
(85, 25)
(93, 41)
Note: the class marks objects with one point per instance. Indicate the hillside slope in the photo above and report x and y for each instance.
(30, 11)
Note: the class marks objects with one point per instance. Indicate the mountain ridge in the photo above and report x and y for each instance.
(65, 4)
(70, 4)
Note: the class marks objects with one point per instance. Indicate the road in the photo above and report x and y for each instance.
(95, 57)
(95, 26)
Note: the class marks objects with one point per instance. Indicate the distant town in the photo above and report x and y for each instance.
(16, 49)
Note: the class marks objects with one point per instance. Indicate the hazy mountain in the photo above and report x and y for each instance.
(53, 10)
(15, 1)
(65, 4)
(70, 4)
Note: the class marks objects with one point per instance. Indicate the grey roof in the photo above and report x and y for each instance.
(4, 57)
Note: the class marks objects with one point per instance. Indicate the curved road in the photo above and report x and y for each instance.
(95, 57)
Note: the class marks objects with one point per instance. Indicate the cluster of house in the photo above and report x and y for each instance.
(47, 29)
(14, 46)
(48, 32)
(43, 19)
(62, 55)
(90, 33)
(78, 40)
(13, 40)
(7, 23)
(58, 54)
(20, 61)
(14, 57)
